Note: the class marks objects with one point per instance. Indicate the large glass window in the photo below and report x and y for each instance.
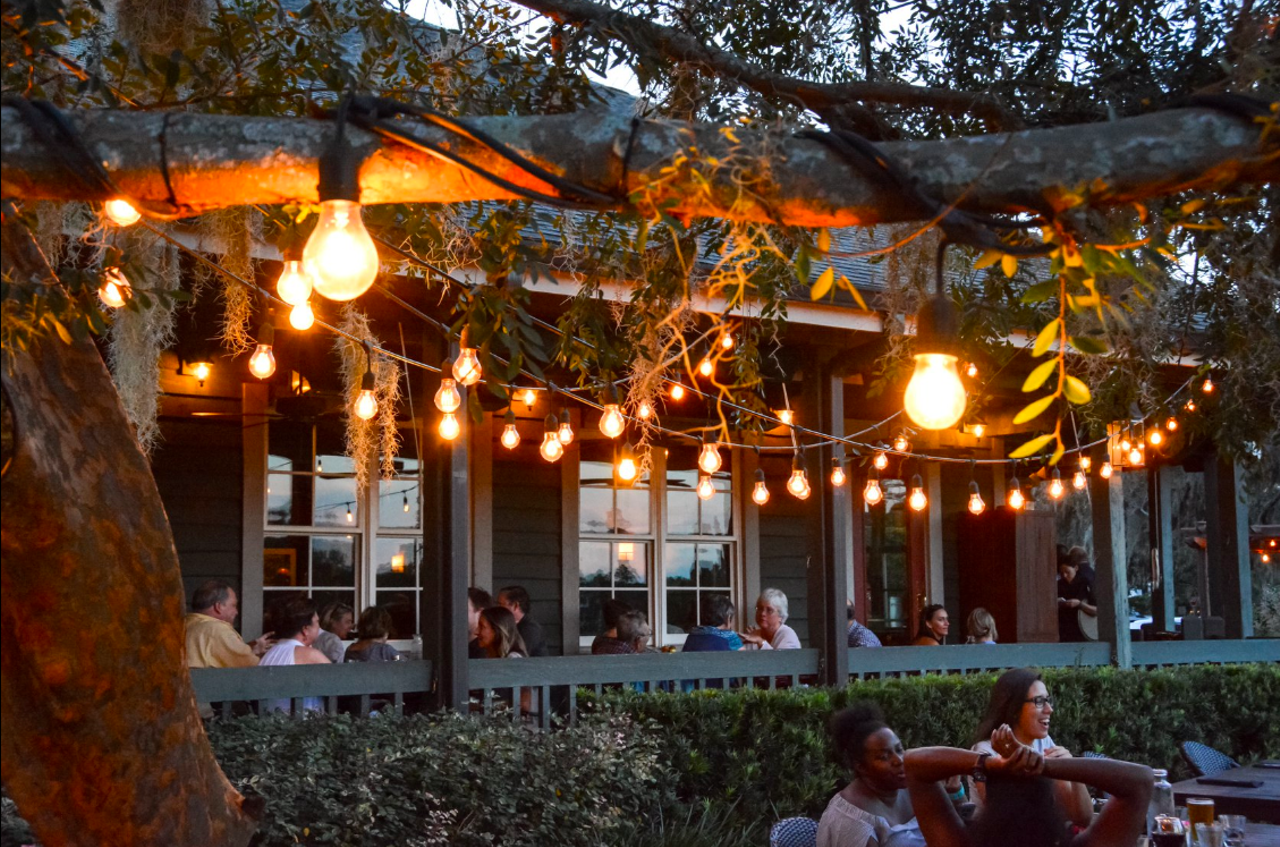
(888, 579)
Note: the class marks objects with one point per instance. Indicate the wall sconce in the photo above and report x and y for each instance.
(198, 368)
(298, 383)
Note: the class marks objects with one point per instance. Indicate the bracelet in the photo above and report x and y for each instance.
(958, 795)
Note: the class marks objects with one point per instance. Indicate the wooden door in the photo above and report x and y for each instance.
(1007, 566)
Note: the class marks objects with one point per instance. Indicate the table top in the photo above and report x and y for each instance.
(1261, 803)
(1262, 835)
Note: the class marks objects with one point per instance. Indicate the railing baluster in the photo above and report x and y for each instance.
(545, 706)
(365, 702)
(573, 705)
(488, 702)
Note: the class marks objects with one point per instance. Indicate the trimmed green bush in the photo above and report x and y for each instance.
(762, 748)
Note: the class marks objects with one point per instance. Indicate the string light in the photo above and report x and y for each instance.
(449, 426)
(366, 402)
(1155, 437)
(551, 449)
(1016, 499)
(510, 435)
(406, 504)
(972, 371)
(350, 517)
(301, 317)
(881, 461)
(262, 363)
(798, 482)
(340, 252)
(115, 289)
(677, 390)
(1056, 488)
(837, 472)
(294, 285)
(1190, 406)
(565, 433)
(611, 422)
(726, 340)
(709, 457)
(1105, 471)
(787, 416)
(628, 469)
(976, 504)
(1207, 385)
(917, 501)
(901, 444)
(872, 493)
(448, 398)
(705, 367)
(1079, 480)
(760, 494)
(705, 489)
(935, 397)
(1171, 424)
(1135, 455)
(121, 212)
(319, 464)
(1266, 558)
(466, 368)
(530, 397)
(645, 411)
(1086, 462)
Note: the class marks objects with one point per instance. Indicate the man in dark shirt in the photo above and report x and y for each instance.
(1075, 594)
(515, 599)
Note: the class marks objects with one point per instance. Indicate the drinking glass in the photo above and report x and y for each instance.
(1210, 834)
(1199, 811)
(1234, 825)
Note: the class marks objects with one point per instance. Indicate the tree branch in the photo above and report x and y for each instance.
(824, 99)
(218, 161)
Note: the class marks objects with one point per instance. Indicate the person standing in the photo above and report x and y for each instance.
(212, 642)
(1075, 597)
(934, 626)
(771, 632)
(336, 622)
(515, 599)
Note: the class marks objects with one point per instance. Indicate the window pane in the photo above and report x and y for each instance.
(713, 565)
(399, 504)
(333, 560)
(325, 597)
(682, 611)
(631, 564)
(591, 612)
(679, 564)
(682, 513)
(288, 446)
(717, 515)
(632, 516)
(403, 607)
(285, 560)
(594, 473)
(593, 564)
(330, 448)
(638, 600)
(289, 499)
(595, 510)
(336, 501)
(396, 562)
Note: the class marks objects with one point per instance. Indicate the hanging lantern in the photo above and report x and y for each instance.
(552, 448)
(935, 397)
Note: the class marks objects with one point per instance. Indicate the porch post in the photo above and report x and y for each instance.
(1160, 535)
(1227, 536)
(1112, 587)
(830, 531)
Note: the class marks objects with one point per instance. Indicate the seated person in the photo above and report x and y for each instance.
(477, 601)
(874, 808)
(633, 636)
(934, 626)
(1021, 810)
(715, 632)
(336, 622)
(859, 635)
(297, 625)
(771, 632)
(373, 632)
(982, 627)
(498, 636)
(608, 643)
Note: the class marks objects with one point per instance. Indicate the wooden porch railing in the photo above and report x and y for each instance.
(265, 686)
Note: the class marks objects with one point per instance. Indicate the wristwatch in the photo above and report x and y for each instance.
(980, 768)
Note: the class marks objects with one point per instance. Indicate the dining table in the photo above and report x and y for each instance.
(1261, 835)
(1252, 791)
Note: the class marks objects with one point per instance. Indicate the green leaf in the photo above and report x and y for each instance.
(1039, 375)
(1041, 291)
(1030, 447)
(823, 285)
(1009, 264)
(1034, 409)
(1046, 337)
(987, 259)
(1077, 392)
(1089, 345)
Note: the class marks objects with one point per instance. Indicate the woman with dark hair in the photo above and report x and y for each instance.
(1021, 701)
(1021, 810)
(374, 630)
(873, 809)
(498, 636)
(934, 626)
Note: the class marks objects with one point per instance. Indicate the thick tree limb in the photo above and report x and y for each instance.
(102, 741)
(824, 99)
(218, 161)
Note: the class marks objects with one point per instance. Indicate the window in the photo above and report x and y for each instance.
(321, 532)
(655, 545)
(888, 579)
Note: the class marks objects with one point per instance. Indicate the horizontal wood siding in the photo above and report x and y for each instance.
(526, 534)
(198, 468)
(784, 549)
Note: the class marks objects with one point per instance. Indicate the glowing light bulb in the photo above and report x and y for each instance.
(1135, 456)
(705, 489)
(901, 444)
(1086, 463)
(705, 367)
(1207, 386)
(976, 504)
(1266, 558)
(466, 368)
(837, 473)
(628, 469)
(530, 397)
(645, 411)
(510, 437)
(1056, 488)
(350, 517)
(447, 397)
(1079, 481)
(1125, 445)
(366, 405)
(972, 372)
(340, 253)
(709, 458)
(115, 289)
(978, 430)
(760, 494)
(726, 341)
(201, 371)
(798, 482)
(565, 433)
(935, 397)
(1105, 471)
(551, 448)
(787, 416)
(872, 493)
(1155, 437)
(262, 363)
(301, 317)
(1171, 424)
(917, 501)
(121, 212)
(294, 285)
(612, 422)
(406, 504)
(1016, 500)
(449, 426)
(677, 391)
(881, 461)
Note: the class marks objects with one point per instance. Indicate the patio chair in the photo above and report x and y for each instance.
(1205, 760)
(794, 832)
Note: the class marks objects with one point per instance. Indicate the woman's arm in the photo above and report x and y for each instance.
(1073, 797)
(927, 767)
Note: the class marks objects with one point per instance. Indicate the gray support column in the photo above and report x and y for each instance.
(1227, 534)
(830, 534)
(1160, 542)
(1109, 560)
(254, 399)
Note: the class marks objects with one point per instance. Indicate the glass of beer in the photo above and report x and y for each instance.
(1199, 811)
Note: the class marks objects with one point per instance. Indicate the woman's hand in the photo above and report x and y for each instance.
(1024, 762)
(953, 784)
(1004, 742)
(752, 637)
(1057, 753)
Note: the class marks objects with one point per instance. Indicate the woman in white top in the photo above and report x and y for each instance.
(297, 626)
(1021, 700)
(771, 632)
(874, 809)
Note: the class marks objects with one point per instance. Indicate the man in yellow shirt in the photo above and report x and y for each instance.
(211, 640)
